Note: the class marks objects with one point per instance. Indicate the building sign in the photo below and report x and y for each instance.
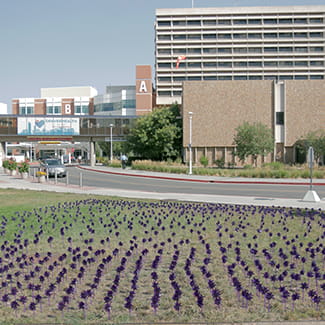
(67, 109)
(143, 96)
(47, 126)
(49, 139)
(143, 87)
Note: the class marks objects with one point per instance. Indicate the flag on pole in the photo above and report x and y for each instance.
(179, 59)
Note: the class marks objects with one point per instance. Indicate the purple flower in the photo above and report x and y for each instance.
(81, 305)
(32, 306)
(206, 261)
(177, 306)
(312, 293)
(304, 285)
(14, 304)
(295, 296)
(5, 298)
(107, 308)
(269, 295)
(61, 305)
(154, 275)
(317, 299)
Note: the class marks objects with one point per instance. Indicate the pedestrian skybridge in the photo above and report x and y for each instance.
(83, 128)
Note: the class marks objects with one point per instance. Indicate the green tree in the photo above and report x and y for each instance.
(158, 135)
(119, 147)
(315, 139)
(253, 140)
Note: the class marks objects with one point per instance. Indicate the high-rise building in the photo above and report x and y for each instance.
(243, 43)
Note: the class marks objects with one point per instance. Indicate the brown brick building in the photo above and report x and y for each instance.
(290, 108)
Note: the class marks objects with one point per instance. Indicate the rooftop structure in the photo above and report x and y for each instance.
(3, 108)
(83, 91)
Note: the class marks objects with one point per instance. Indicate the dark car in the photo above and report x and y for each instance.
(54, 166)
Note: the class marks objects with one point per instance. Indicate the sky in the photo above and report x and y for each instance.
(66, 43)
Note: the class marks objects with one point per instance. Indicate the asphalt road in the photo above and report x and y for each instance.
(121, 182)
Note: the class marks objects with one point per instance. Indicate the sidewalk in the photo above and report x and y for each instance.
(16, 182)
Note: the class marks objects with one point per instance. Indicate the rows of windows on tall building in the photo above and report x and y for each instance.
(241, 21)
(252, 43)
(241, 35)
(243, 77)
(231, 64)
(248, 49)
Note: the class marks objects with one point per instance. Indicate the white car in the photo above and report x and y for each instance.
(54, 166)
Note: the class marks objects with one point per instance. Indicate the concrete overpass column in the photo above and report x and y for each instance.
(92, 153)
(2, 152)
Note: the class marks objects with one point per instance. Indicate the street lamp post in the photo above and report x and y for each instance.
(111, 151)
(190, 144)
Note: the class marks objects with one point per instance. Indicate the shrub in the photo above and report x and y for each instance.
(12, 164)
(244, 173)
(279, 174)
(294, 173)
(114, 163)
(204, 171)
(249, 171)
(275, 165)
(159, 166)
(318, 174)
(23, 167)
(5, 164)
(204, 161)
(220, 163)
(102, 160)
(263, 174)
(305, 174)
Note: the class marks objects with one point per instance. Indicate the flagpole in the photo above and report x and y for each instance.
(192, 3)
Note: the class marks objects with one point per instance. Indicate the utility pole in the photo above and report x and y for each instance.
(190, 144)
(111, 142)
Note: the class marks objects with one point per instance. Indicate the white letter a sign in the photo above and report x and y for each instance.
(143, 87)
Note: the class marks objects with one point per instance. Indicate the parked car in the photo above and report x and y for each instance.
(54, 166)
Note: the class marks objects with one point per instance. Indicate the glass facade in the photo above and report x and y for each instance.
(118, 100)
